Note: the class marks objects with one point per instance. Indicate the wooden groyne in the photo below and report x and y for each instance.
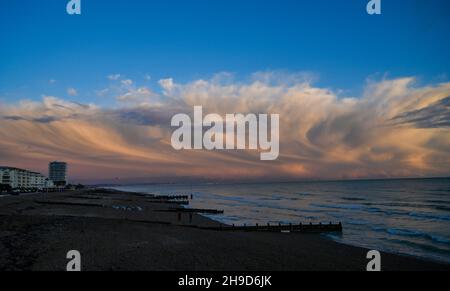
(177, 202)
(171, 197)
(194, 210)
(297, 228)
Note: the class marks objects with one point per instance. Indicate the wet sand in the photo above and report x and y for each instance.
(129, 232)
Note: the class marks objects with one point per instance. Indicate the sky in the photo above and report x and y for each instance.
(359, 96)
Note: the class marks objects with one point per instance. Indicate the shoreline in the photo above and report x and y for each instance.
(427, 256)
(326, 236)
(127, 231)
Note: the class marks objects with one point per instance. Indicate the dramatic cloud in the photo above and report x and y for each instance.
(436, 115)
(396, 129)
(140, 96)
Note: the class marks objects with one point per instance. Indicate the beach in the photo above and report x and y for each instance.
(404, 216)
(120, 231)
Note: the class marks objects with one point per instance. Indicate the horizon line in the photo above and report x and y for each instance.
(272, 182)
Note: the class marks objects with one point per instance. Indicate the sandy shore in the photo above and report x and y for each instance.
(126, 231)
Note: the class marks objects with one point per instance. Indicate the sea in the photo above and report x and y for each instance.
(408, 216)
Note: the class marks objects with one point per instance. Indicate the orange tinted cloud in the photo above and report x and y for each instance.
(395, 129)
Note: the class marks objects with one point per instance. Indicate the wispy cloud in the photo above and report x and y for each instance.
(127, 82)
(436, 115)
(114, 77)
(72, 92)
(396, 129)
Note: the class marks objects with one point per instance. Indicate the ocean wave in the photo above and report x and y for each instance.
(435, 252)
(353, 198)
(279, 198)
(438, 201)
(341, 206)
(429, 216)
(416, 233)
(356, 222)
(447, 190)
(400, 204)
(231, 218)
(443, 208)
(357, 207)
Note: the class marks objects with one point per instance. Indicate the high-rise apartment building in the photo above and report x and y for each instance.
(57, 172)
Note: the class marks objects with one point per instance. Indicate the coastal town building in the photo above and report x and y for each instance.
(57, 172)
(19, 178)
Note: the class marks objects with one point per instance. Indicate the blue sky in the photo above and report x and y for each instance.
(188, 40)
(396, 125)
